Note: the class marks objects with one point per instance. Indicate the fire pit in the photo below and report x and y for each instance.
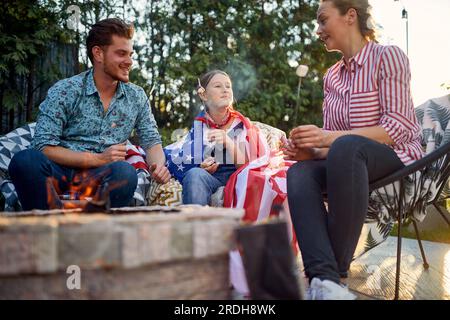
(131, 253)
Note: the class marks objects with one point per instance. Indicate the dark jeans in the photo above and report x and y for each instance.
(328, 240)
(30, 169)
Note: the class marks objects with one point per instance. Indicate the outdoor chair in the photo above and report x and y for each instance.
(405, 195)
(407, 192)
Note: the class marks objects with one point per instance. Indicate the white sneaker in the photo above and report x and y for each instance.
(327, 290)
(314, 291)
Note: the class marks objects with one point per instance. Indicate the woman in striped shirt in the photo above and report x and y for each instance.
(370, 130)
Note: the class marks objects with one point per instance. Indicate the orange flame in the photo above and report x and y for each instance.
(84, 188)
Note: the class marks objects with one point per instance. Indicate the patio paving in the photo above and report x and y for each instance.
(372, 275)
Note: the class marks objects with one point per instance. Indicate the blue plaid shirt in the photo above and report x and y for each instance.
(72, 116)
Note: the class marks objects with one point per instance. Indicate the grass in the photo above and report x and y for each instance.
(441, 234)
(438, 234)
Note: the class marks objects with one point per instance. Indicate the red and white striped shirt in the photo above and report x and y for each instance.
(374, 90)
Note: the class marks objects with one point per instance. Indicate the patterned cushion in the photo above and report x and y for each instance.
(170, 194)
(141, 190)
(13, 142)
(10, 144)
(8, 191)
(273, 135)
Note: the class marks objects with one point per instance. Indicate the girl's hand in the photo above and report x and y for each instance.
(219, 136)
(210, 165)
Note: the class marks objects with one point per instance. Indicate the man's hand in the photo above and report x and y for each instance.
(116, 152)
(159, 173)
(210, 165)
(309, 136)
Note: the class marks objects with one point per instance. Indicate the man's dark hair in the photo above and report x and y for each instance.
(101, 33)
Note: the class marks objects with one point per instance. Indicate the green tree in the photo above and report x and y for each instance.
(253, 40)
(89, 13)
(257, 41)
(26, 29)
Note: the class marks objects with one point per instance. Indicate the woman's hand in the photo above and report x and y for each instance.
(309, 136)
(293, 153)
(219, 136)
(210, 165)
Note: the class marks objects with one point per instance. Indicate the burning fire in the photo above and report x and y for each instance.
(86, 192)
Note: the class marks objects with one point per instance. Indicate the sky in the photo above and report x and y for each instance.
(429, 41)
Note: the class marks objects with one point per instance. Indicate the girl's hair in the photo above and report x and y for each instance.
(363, 9)
(206, 78)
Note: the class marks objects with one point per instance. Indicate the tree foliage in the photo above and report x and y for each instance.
(253, 40)
(258, 42)
(26, 29)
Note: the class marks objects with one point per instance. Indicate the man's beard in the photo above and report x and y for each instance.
(108, 69)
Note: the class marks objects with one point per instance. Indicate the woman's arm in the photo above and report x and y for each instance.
(311, 136)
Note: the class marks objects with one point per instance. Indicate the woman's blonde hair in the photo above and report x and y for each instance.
(363, 10)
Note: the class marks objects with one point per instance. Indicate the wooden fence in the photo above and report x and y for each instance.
(59, 61)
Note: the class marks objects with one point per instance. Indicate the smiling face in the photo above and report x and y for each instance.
(115, 59)
(219, 93)
(333, 27)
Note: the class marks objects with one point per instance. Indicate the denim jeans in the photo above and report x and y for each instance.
(328, 240)
(199, 185)
(30, 169)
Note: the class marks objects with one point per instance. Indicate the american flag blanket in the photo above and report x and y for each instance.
(136, 157)
(260, 188)
(194, 147)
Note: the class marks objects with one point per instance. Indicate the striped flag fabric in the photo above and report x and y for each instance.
(259, 186)
(136, 157)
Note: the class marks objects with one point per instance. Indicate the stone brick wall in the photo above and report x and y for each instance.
(181, 255)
